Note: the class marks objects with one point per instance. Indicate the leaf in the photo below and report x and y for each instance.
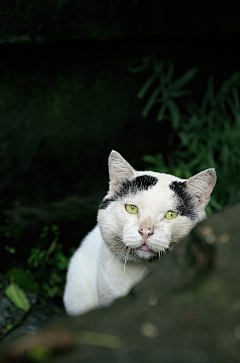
(9, 326)
(151, 101)
(17, 296)
(169, 73)
(229, 83)
(39, 353)
(161, 112)
(54, 228)
(180, 93)
(11, 250)
(236, 97)
(185, 78)
(231, 105)
(175, 113)
(210, 92)
(146, 86)
(157, 65)
(215, 204)
(138, 69)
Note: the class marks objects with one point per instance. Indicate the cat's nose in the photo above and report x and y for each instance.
(146, 231)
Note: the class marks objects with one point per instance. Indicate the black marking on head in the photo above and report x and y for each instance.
(140, 183)
(186, 202)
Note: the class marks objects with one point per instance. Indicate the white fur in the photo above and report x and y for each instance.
(96, 277)
(109, 261)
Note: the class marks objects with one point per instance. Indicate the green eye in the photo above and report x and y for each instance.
(131, 209)
(171, 215)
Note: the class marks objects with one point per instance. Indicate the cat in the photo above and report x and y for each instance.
(142, 216)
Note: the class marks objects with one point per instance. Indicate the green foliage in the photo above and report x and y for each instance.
(163, 89)
(17, 296)
(51, 262)
(39, 353)
(11, 250)
(5, 231)
(23, 278)
(208, 135)
(55, 262)
(9, 327)
(47, 267)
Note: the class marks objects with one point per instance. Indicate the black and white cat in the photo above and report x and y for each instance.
(141, 217)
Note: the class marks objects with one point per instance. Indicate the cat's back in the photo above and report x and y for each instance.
(82, 272)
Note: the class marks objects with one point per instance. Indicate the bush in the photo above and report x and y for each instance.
(208, 135)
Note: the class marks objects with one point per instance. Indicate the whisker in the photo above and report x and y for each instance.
(118, 262)
(112, 258)
(126, 256)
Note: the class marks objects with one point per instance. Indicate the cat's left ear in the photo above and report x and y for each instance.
(202, 185)
(119, 170)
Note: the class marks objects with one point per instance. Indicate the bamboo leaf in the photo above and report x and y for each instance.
(215, 204)
(185, 78)
(175, 113)
(180, 93)
(146, 86)
(151, 101)
(236, 98)
(231, 105)
(169, 73)
(17, 296)
(161, 112)
(138, 69)
(158, 65)
(238, 118)
(210, 92)
(228, 84)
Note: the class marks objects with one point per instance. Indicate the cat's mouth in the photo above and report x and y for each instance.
(144, 247)
(145, 252)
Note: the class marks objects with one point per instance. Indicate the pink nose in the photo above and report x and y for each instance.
(145, 232)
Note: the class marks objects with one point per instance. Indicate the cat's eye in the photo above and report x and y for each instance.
(131, 209)
(171, 215)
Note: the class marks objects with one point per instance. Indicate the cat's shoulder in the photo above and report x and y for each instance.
(91, 241)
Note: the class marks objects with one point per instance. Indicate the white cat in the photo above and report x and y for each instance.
(143, 214)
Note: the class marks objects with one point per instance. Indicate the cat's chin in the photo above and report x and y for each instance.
(146, 254)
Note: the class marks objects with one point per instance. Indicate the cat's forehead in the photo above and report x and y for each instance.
(150, 185)
(160, 190)
(163, 180)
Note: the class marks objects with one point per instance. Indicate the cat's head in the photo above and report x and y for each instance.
(144, 213)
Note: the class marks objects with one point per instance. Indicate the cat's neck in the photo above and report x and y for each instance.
(115, 277)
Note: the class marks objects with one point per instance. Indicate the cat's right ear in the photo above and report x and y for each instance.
(119, 170)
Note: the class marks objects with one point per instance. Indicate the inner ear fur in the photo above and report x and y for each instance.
(119, 170)
(202, 185)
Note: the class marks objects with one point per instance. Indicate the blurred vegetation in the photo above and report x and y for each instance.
(207, 135)
(46, 271)
(52, 20)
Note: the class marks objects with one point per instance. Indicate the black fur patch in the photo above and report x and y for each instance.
(186, 202)
(140, 183)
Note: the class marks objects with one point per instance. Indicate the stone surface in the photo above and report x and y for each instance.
(187, 310)
(14, 321)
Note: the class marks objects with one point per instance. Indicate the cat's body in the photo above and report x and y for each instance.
(143, 214)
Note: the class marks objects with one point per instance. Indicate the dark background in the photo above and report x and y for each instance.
(67, 98)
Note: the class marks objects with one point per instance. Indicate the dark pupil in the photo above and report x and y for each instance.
(133, 207)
